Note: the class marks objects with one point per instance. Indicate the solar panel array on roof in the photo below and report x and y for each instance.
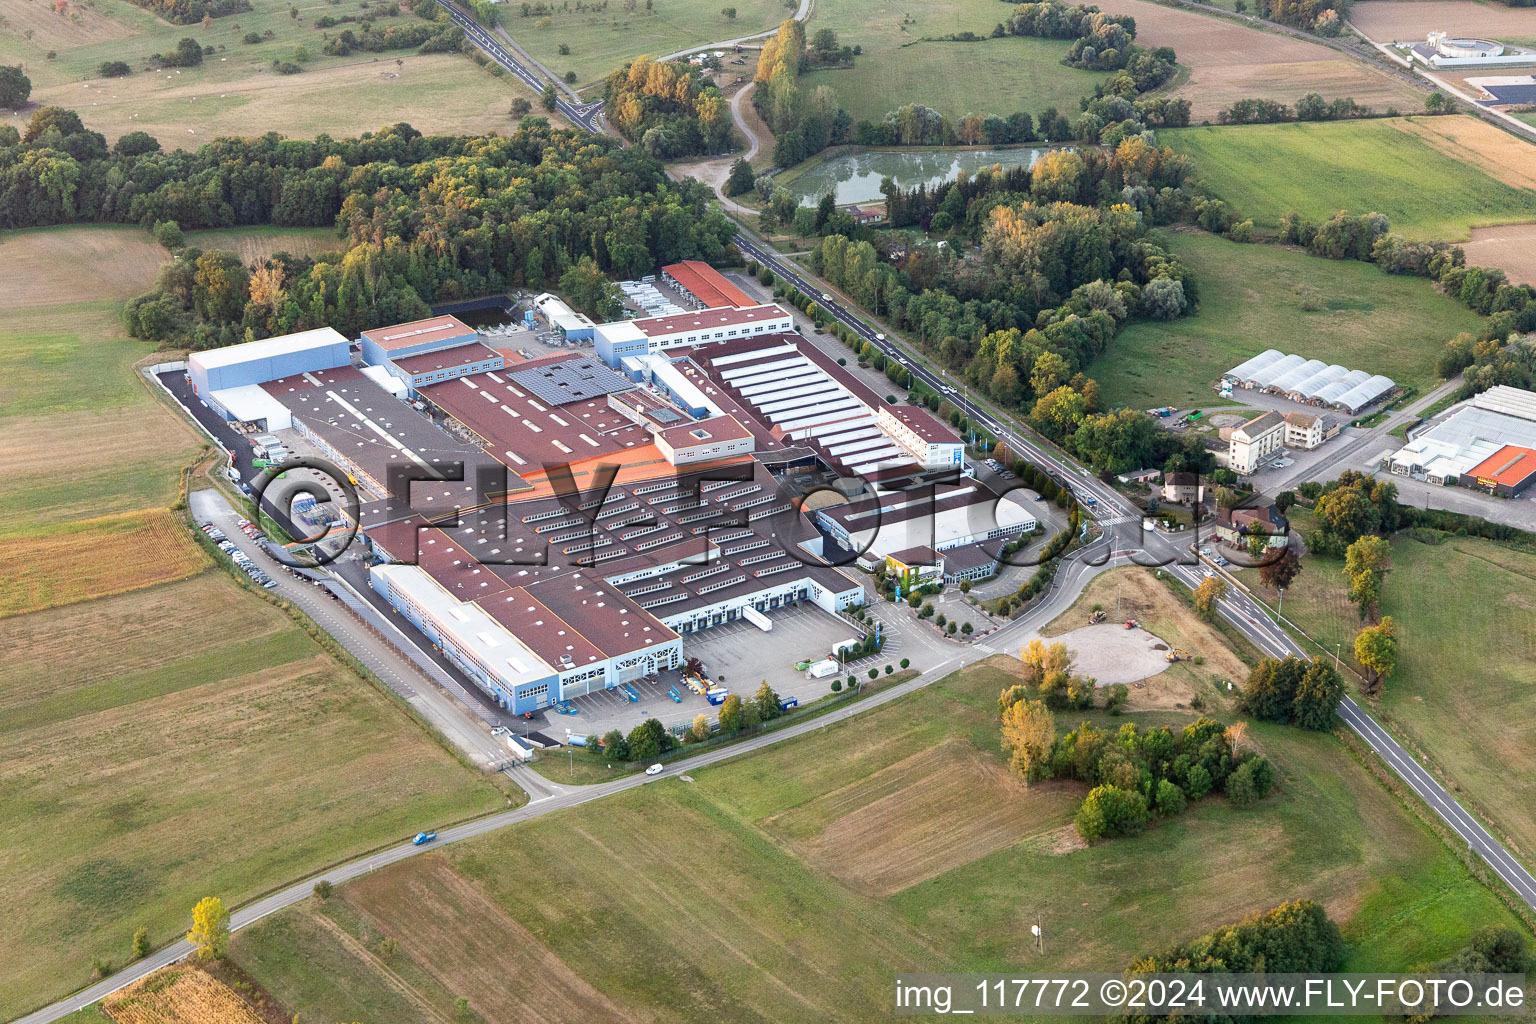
(574, 380)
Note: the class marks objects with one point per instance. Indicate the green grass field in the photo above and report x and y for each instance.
(1249, 301)
(787, 885)
(183, 741)
(235, 91)
(602, 41)
(998, 76)
(1470, 704)
(1360, 166)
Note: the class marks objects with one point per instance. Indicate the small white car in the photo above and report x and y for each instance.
(654, 769)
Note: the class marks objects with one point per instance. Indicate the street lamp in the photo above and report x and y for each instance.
(1281, 610)
(1336, 648)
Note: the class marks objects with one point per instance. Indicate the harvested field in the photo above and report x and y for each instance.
(1386, 21)
(95, 558)
(435, 93)
(1510, 247)
(52, 266)
(1472, 140)
(179, 995)
(897, 827)
(1229, 62)
(53, 446)
(468, 944)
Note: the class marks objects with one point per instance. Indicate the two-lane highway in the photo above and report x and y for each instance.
(1119, 515)
(585, 115)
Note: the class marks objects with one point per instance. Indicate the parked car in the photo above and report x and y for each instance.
(423, 838)
(654, 769)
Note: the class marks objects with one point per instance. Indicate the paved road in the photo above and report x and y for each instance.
(1116, 512)
(407, 677)
(587, 116)
(1251, 619)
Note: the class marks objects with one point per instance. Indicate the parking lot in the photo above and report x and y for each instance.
(737, 656)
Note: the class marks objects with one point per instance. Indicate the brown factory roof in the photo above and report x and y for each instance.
(419, 332)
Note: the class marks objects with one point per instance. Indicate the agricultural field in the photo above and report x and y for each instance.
(1401, 167)
(1001, 76)
(786, 885)
(240, 758)
(69, 376)
(1229, 62)
(1386, 21)
(1254, 297)
(1469, 705)
(95, 558)
(602, 41)
(435, 93)
(236, 91)
(1510, 247)
(179, 995)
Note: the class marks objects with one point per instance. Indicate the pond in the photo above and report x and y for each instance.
(856, 177)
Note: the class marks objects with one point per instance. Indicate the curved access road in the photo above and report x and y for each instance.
(801, 13)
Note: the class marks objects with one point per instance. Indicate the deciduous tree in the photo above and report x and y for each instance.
(1029, 733)
(1376, 651)
(210, 928)
(1210, 591)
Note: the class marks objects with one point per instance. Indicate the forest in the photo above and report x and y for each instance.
(1041, 269)
(668, 109)
(425, 218)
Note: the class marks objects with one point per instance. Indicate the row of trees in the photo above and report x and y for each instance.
(650, 739)
(1311, 107)
(426, 219)
(1106, 119)
(190, 12)
(803, 121)
(1134, 774)
(1510, 308)
(668, 109)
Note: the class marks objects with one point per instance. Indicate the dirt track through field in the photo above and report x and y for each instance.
(1228, 62)
(897, 827)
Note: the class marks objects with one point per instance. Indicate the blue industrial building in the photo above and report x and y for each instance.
(257, 362)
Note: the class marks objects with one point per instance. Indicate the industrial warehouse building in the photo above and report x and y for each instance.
(228, 380)
(1481, 445)
(1310, 381)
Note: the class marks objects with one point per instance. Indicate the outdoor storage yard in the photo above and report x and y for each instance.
(1229, 62)
(784, 885)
